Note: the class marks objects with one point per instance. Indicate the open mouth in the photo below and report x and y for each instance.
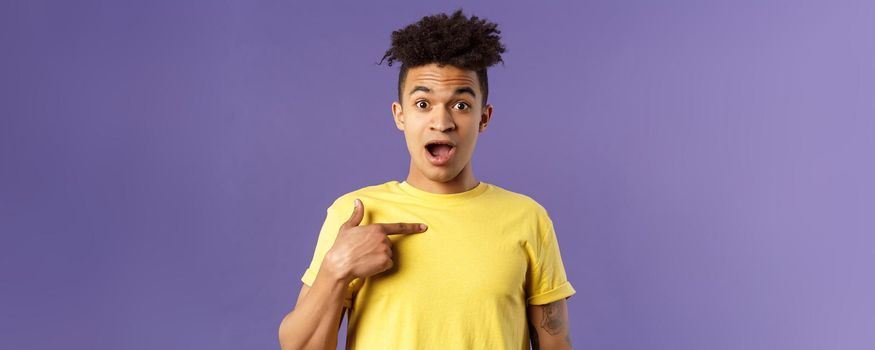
(439, 152)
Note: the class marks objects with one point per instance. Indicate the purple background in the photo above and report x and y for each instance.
(165, 167)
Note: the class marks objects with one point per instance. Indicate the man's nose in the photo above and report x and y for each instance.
(442, 120)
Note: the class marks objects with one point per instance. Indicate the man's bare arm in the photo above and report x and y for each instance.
(316, 318)
(548, 326)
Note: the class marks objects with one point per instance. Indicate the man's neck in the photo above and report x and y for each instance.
(465, 181)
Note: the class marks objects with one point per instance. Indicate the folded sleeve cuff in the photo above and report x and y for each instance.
(563, 291)
(309, 277)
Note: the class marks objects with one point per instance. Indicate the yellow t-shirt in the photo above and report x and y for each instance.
(464, 283)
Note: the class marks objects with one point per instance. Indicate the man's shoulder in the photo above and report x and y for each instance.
(346, 199)
(517, 199)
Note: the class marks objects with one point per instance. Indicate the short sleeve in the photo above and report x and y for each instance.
(546, 280)
(327, 236)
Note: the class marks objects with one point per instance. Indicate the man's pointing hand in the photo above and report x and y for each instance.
(362, 251)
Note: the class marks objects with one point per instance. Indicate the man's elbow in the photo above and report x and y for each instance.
(288, 340)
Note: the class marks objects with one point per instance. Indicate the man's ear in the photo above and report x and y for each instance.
(398, 114)
(485, 117)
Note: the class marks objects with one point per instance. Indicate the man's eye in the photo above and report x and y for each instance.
(462, 105)
(421, 104)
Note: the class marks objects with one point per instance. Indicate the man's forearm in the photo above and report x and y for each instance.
(315, 322)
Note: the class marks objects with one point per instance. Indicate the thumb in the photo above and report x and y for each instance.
(358, 212)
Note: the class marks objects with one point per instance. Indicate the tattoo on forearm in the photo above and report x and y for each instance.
(552, 322)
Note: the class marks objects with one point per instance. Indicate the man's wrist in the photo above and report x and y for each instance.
(334, 271)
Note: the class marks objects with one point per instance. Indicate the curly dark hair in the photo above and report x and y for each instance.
(467, 43)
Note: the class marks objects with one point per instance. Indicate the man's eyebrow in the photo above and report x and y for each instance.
(420, 88)
(459, 91)
(463, 90)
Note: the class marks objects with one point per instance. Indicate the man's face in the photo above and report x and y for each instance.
(441, 104)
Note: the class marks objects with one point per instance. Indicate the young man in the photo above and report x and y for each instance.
(486, 272)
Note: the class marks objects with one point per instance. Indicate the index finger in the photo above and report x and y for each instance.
(402, 227)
